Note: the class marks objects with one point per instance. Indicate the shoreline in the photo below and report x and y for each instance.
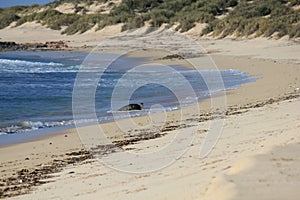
(149, 55)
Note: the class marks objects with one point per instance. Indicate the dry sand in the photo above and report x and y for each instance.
(242, 159)
(256, 155)
(32, 32)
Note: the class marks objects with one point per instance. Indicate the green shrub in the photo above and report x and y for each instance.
(160, 16)
(136, 22)
(51, 18)
(82, 24)
(7, 18)
(260, 17)
(294, 31)
(294, 2)
(59, 2)
(247, 17)
(9, 15)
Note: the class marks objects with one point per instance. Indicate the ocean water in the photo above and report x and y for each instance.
(36, 88)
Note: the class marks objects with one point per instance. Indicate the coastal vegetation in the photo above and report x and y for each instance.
(276, 18)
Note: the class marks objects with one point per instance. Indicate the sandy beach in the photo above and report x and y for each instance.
(256, 155)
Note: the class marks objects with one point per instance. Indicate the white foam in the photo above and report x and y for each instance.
(28, 63)
(2, 133)
(22, 66)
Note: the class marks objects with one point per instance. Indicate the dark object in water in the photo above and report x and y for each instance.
(132, 107)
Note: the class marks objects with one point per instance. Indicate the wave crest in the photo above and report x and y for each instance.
(23, 66)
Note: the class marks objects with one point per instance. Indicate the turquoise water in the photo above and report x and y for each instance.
(36, 88)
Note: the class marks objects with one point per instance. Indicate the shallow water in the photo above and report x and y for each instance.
(36, 88)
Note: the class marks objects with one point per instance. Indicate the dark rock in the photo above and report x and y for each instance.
(173, 56)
